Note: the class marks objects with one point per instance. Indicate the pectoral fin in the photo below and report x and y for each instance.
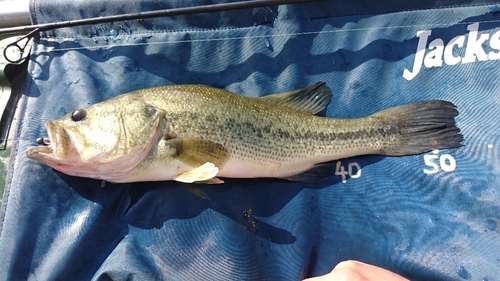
(204, 172)
(197, 152)
(312, 99)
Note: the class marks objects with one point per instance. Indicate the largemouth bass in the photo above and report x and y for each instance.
(195, 133)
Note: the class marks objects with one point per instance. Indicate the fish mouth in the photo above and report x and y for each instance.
(59, 140)
(56, 145)
(43, 141)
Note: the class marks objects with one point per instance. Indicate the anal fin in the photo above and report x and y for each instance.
(317, 173)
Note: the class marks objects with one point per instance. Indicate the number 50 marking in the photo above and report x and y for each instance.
(446, 162)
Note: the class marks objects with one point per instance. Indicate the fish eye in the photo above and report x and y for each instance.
(78, 115)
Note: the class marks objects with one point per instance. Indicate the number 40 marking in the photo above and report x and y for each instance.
(446, 162)
(340, 171)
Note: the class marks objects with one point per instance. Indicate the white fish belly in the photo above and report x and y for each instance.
(239, 168)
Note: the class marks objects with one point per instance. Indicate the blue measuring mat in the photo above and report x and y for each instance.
(432, 216)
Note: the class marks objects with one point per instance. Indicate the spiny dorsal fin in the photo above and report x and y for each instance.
(196, 152)
(312, 99)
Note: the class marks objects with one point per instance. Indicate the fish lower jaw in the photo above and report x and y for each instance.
(35, 152)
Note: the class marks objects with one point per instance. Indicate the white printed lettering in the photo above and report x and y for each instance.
(429, 161)
(439, 52)
(340, 171)
(475, 46)
(419, 55)
(358, 170)
(449, 58)
(446, 162)
(495, 45)
(435, 57)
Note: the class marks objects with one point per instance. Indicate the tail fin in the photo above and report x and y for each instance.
(423, 126)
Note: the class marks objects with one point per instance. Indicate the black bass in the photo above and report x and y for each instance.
(196, 133)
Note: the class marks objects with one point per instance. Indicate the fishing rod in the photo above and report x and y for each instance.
(35, 29)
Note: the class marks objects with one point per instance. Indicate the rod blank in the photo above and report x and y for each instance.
(152, 14)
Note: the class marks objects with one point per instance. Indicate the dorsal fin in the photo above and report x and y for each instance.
(312, 99)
